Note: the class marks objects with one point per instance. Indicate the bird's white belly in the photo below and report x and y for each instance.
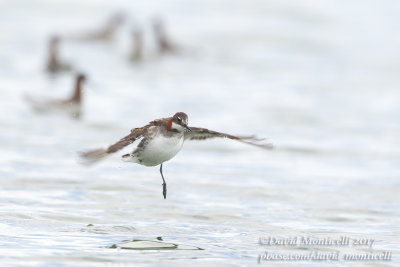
(158, 150)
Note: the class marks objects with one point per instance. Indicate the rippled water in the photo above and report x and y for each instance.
(318, 78)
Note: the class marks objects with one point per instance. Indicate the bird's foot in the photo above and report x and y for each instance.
(164, 191)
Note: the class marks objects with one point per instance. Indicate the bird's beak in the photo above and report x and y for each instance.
(187, 127)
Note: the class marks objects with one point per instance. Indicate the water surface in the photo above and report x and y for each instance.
(319, 79)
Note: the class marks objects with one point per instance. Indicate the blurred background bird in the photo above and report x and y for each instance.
(71, 106)
(54, 62)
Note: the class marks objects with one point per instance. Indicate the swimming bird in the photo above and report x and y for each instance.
(54, 64)
(106, 33)
(161, 140)
(164, 44)
(137, 46)
(71, 105)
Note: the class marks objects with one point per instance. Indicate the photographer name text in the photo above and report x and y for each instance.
(296, 241)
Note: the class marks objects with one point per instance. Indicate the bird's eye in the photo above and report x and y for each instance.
(179, 119)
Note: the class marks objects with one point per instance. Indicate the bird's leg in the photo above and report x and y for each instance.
(164, 191)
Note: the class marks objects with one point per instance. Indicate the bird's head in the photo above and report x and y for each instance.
(80, 77)
(178, 122)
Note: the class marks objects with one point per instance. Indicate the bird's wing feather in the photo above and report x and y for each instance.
(159, 122)
(92, 156)
(203, 133)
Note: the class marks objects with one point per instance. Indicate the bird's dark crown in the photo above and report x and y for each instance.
(180, 118)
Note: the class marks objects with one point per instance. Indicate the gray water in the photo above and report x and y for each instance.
(319, 79)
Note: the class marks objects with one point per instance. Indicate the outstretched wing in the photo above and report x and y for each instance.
(202, 134)
(92, 156)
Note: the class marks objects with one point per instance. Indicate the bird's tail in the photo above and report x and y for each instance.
(34, 103)
(92, 156)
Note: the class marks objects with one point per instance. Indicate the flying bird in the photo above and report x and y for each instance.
(161, 140)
